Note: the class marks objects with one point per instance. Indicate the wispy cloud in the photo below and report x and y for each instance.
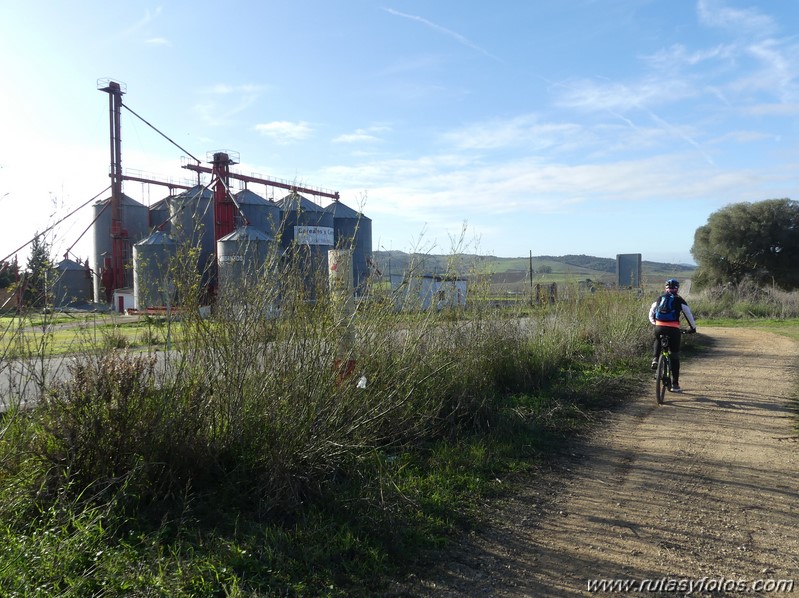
(227, 89)
(367, 135)
(591, 94)
(448, 32)
(678, 56)
(282, 131)
(157, 41)
(715, 13)
(143, 22)
(534, 185)
(522, 131)
(221, 102)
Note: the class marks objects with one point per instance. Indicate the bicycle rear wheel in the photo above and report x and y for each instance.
(662, 379)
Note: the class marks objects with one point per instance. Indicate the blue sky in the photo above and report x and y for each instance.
(552, 126)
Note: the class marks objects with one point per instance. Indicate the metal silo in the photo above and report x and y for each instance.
(305, 222)
(241, 256)
(192, 215)
(135, 226)
(261, 213)
(353, 230)
(306, 235)
(159, 215)
(72, 284)
(152, 283)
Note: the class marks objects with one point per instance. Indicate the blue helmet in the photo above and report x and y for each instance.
(673, 283)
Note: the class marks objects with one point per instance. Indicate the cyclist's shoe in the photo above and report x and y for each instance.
(654, 364)
(675, 388)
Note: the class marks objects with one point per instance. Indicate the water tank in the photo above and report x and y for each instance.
(72, 285)
(192, 214)
(135, 224)
(152, 283)
(159, 215)
(352, 230)
(260, 213)
(241, 255)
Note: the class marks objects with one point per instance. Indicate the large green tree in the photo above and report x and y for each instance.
(39, 273)
(756, 241)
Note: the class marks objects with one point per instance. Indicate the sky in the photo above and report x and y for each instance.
(502, 128)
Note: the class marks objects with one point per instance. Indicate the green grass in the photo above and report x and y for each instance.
(251, 471)
(787, 327)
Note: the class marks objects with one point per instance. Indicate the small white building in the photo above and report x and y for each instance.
(429, 290)
(124, 299)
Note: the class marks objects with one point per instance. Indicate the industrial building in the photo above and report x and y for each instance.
(232, 230)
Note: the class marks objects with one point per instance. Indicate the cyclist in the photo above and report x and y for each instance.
(664, 315)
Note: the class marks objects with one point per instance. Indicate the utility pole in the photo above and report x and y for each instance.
(531, 277)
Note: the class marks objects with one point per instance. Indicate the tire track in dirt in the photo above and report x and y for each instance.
(706, 485)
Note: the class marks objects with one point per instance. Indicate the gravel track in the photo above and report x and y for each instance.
(705, 486)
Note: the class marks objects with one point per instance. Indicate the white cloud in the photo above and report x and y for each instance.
(227, 89)
(284, 131)
(592, 95)
(715, 13)
(524, 130)
(366, 135)
(157, 41)
(781, 110)
(359, 136)
(678, 55)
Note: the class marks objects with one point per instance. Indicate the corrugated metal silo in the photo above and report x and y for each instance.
(152, 283)
(306, 230)
(135, 221)
(305, 222)
(73, 283)
(192, 215)
(241, 256)
(261, 213)
(159, 215)
(353, 230)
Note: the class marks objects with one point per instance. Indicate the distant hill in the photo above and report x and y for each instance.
(432, 264)
(516, 270)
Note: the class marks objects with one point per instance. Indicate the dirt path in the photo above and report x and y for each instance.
(706, 486)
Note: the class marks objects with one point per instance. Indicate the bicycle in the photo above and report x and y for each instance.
(663, 377)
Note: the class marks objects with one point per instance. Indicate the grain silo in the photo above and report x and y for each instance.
(159, 215)
(135, 226)
(242, 256)
(305, 223)
(192, 214)
(153, 285)
(72, 284)
(306, 235)
(353, 230)
(261, 213)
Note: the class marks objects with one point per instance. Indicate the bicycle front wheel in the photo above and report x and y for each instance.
(662, 382)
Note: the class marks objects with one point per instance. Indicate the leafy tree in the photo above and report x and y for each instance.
(8, 274)
(756, 241)
(39, 273)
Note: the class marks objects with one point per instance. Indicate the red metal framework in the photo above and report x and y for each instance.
(224, 207)
(114, 270)
(268, 182)
(113, 274)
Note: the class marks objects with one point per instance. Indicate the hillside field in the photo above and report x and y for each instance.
(513, 274)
